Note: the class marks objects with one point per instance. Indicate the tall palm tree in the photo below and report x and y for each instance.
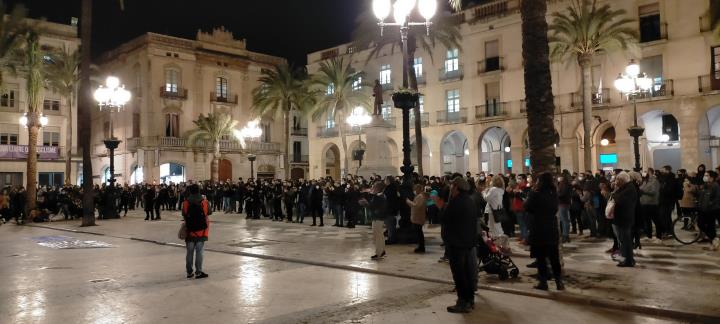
(63, 79)
(538, 85)
(582, 31)
(85, 106)
(34, 70)
(340, 76)
(444, 32)
(281, 91)
(12, 35)
(212, 128)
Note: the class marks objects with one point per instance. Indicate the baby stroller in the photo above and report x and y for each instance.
(492, 261)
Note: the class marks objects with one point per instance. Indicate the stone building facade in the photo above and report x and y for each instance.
(62, 120)
(473, 109)
(173, 81)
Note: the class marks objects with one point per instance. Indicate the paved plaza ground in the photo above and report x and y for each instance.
(270, 272)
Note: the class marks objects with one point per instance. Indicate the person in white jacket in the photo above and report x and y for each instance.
(494, 198)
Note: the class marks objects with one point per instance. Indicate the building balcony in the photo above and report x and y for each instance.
(180, 94)
(599, 98)
(658, 91)
(706, 84)
(299, 159)
(659, 34)
(452, 117)
(132, 144)
(421, 79)
(491, 110)
(298, 131)
(325, 132)
(451, 75)
(227, 99)
(495, 9)
(387, 86)
(263, 147)
(424, 119)
(490, 64)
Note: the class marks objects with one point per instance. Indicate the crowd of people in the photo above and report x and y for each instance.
(539, 213)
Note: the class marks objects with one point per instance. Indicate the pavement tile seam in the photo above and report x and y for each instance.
(565, 297)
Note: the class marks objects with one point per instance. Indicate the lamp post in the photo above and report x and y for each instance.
(401, 12)
(359, 118)
(251, 132)
(111, 98)
(633, 83)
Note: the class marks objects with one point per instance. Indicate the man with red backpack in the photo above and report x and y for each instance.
(195, 214)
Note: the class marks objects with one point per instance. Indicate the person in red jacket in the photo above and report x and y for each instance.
(195, 215)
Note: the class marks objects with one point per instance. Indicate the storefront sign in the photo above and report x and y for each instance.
(20, 152)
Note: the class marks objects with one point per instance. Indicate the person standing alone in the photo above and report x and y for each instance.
(195, 214)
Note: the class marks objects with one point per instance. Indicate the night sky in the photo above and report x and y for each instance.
(287, 28)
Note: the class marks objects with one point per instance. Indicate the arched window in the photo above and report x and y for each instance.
(137, 175)
(172, 80)
(105, 177)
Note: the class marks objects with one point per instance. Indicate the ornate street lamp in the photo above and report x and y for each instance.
(633, 83)
(251, 132)
(359, 118)
(111, 98)
(401, 10)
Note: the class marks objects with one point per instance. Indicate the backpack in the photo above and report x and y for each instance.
(195, 220)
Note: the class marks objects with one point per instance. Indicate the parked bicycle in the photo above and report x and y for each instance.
(685, 228)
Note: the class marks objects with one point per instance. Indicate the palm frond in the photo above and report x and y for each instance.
(584, 29)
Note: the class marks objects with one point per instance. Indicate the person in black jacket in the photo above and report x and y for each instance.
(149, 202)
(544, 238)
(316, 203)
(669, 187)
(459, 232)
(626, 198)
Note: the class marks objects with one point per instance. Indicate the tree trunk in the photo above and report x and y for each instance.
(344, 146)
(585, 63)
(538, 85)
(215, 164)
(68, 144)
(287, 138)
(412, 47)
(32, 158)
(85, 103)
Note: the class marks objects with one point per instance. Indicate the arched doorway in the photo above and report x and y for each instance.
(352, 152)
(297, 173)
(136, 176)
(172, 172)
(105, 175)
(225, 170)
(606, 156)
(709, 137)
(494, 151)
(662, 134)
(332, 161)
(454, 151)
(426, 155)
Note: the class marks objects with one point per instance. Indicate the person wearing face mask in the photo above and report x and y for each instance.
(710, 208)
